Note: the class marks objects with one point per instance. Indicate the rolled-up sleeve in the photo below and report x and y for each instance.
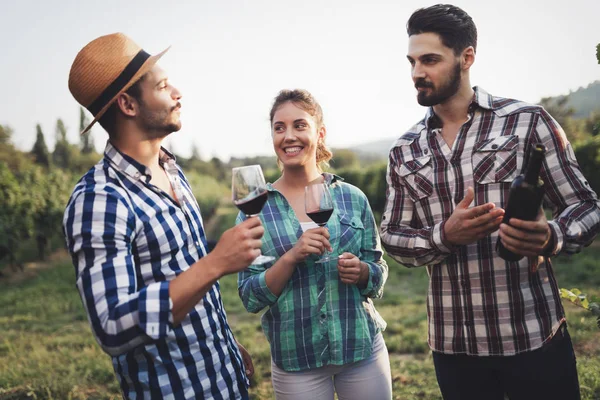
(252, 285)
(372, 254)
(575, 206)
(99, 229)
(410, 245)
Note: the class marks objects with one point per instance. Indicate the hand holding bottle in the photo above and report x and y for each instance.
(526, 238)
(524, 204)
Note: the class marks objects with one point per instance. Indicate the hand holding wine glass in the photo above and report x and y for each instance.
(238, 247)
(319, 207)
(249, 195)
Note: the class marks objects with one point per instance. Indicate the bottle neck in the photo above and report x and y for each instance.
(534, 166)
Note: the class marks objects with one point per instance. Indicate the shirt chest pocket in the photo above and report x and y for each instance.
(351, 230)
(417, 175)
(495, 160)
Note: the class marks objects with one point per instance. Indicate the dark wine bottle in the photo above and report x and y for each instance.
(525, 197)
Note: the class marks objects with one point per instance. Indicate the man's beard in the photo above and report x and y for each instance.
(443, 93)
(158, 124)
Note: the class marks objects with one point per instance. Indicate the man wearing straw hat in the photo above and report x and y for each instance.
(135, 233)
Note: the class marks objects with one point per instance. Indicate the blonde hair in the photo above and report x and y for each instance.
(303, 99)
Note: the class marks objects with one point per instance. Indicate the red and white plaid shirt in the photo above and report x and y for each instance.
(477, 303)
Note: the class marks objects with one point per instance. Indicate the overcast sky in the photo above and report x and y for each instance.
(231, 57)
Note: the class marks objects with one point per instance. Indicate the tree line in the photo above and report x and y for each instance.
(34, 189)
(35, 185)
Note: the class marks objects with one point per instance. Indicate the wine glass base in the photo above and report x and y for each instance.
(262, 260)
(325, 259)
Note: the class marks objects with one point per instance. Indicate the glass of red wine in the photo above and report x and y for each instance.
(319, 207)
(249, 195)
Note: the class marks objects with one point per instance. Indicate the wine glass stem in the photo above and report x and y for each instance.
(327, 253)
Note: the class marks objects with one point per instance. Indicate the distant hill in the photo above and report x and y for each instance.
(377, 150)
(583, 100)
(375, 147)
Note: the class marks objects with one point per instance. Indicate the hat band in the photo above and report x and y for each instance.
(123, 79)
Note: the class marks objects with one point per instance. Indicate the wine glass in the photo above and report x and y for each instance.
(249, 195)
(319, 207)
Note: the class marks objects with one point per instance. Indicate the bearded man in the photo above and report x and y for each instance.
(496, 327)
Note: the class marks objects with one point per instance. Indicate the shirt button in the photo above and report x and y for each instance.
(426, 151)
(494, 146)
(323, 316)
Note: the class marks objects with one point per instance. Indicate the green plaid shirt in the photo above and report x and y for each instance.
(318, 320)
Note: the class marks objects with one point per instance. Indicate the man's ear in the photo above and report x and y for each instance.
(127, 104)
(468, 57)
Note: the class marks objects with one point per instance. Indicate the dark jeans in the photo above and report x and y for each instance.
(546, 373)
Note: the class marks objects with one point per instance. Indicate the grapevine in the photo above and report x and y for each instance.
(580, 299)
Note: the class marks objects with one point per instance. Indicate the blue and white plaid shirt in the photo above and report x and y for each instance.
(128, 239)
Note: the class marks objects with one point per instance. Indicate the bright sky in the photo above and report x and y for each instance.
(231, 57)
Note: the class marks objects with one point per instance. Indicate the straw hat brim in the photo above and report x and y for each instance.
(146, 66)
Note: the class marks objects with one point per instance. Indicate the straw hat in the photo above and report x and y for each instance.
(105, 68)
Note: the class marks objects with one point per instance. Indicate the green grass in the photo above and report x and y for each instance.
(48, 352)
(46, 348)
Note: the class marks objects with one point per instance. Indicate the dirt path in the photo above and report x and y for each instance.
(11, 276)
(212, 225)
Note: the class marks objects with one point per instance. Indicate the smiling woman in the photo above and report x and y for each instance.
(299, 129)
(328, 300)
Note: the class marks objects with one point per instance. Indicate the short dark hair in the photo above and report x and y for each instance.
(454, 26)
(109, 119)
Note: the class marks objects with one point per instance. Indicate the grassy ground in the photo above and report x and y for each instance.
(47, 350)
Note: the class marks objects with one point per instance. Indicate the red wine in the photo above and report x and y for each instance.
(525, 197)
(320, 217)
(252, 205)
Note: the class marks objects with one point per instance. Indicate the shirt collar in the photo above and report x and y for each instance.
(329, 178)
(131, 167)
(481, 99)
